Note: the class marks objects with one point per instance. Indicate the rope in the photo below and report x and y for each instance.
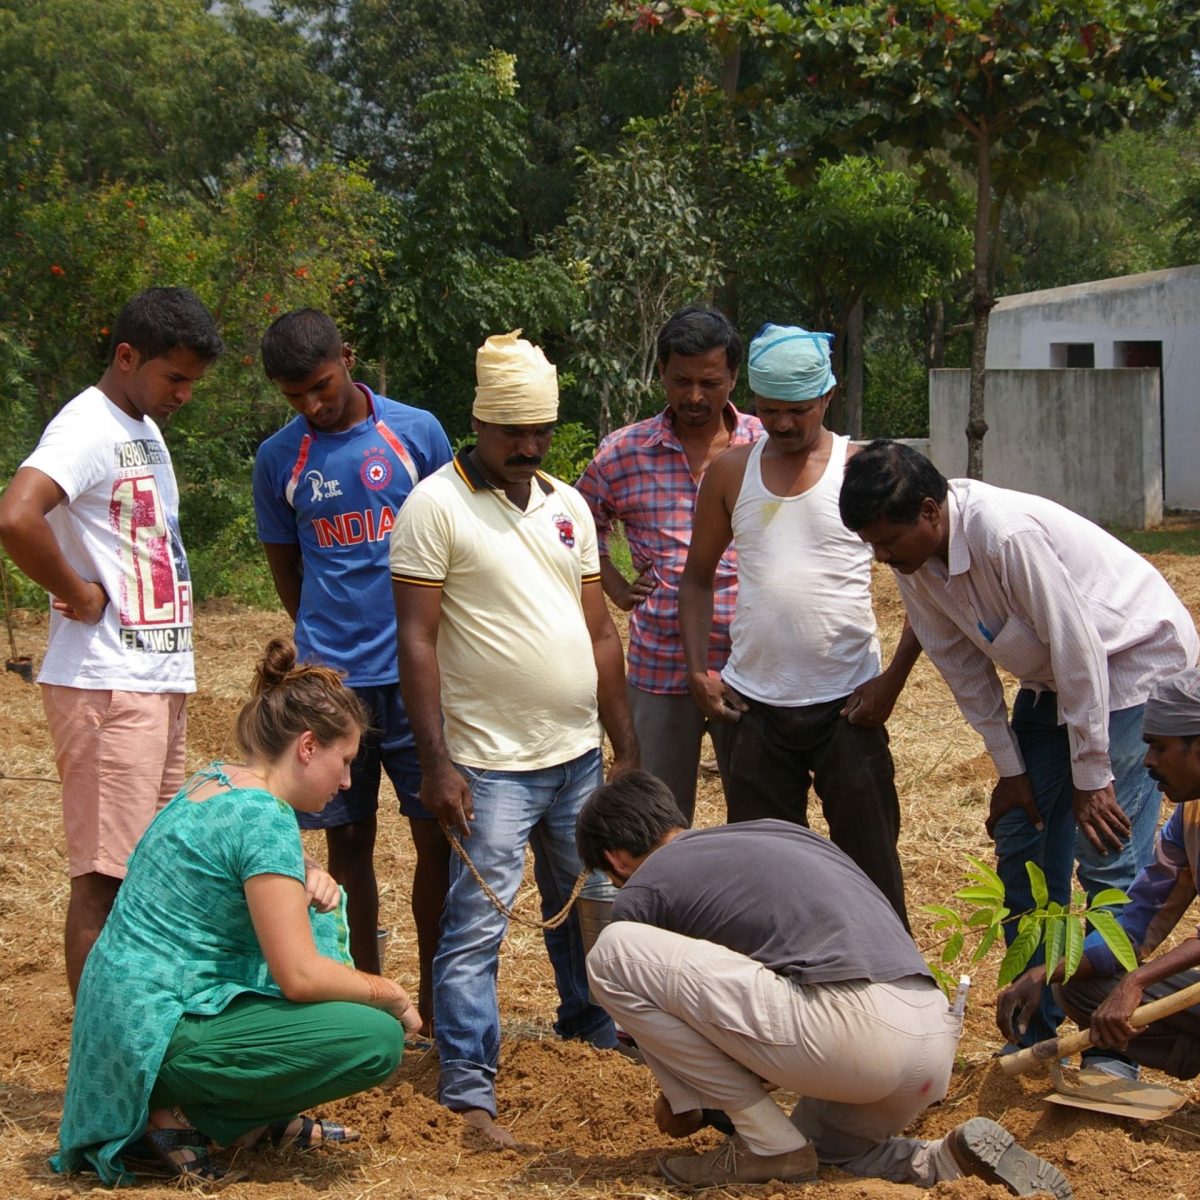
(5, 777)
(552, 923)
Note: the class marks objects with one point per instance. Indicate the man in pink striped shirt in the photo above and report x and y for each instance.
(646, 476)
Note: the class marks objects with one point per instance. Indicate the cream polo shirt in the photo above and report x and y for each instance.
(1036, 589)
(514, 652)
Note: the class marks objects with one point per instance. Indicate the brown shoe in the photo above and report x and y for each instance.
(735, 1162)
(983, 1148)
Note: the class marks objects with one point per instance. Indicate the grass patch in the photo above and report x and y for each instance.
(1160, 541)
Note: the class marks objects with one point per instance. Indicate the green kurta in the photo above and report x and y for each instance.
(179, 940)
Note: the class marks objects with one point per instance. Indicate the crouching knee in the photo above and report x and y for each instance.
(382, 1048)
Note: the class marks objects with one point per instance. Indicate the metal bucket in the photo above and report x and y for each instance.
(382, 936)
(593, 916)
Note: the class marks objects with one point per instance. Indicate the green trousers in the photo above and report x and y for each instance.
(265, 1059)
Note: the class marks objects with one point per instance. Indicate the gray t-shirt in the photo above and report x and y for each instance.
(778, 893)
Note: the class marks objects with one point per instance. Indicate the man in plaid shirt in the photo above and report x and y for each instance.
(646, 476)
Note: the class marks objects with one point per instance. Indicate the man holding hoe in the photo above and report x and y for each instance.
(1099, 995)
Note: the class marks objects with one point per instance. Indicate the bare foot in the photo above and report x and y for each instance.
(485, 1123)
(679, 1125)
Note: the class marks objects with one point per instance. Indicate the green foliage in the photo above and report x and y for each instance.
(570, 451)
(641, 245)
(166, 91)
(444, 280)
(855, 231)
(980, 915)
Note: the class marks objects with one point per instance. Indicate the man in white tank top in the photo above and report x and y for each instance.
(803, 683)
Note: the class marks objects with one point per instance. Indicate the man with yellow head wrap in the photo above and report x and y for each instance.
(802, 685)
(511, 667)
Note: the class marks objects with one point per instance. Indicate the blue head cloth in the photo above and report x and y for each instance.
(790, 364)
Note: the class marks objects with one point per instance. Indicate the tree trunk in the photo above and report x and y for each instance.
(981, 303)
(852, 385)
(383, 375)
(935, 333)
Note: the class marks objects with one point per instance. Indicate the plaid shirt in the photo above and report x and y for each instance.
(640, 476)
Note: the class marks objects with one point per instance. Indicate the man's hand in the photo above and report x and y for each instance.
(1110, 1025)
(622, 763)
(1103, 821)
(1013, 791)
(87, 607)
(447, 795)
(635, 591)
(717, 700)
(871, 703)
(320, 888)
(1017, 1003)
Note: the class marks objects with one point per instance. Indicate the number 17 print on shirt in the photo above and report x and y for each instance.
(155, 604)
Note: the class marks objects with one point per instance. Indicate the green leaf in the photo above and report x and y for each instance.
(1020, 952)
(986, 872)
(953, 948)
(985, 943)
(985, 916)
(1108, 896)
(1073, 948)
(978, 894)
(1055, 939)
(1115, 938)
(1037, 881)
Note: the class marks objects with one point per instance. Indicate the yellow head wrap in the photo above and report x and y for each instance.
(515, 385)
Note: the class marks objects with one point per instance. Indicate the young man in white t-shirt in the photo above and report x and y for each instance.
(92, 516)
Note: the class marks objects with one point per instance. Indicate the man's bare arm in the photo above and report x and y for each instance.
(286, 563)
(31, 544)
(443, 790)
(712, 531)
(612, 698)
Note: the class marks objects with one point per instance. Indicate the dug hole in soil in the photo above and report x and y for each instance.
(583, 1116)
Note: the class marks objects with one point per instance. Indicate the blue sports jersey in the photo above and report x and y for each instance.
(337, 495)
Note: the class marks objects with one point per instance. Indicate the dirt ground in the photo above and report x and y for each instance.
(584, 1116)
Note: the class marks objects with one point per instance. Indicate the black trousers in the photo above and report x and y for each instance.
(1171, 1044)
(775, 755)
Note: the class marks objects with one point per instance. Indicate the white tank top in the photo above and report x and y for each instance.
(804, 629)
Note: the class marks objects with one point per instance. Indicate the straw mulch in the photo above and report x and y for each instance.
(583, 1116)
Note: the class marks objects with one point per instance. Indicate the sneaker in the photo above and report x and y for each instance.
(735, 1162)
(983, 1148)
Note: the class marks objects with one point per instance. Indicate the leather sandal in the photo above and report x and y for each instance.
(168, 1144)
(303, 1139)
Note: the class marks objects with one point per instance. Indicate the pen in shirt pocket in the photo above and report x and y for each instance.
(987, 633)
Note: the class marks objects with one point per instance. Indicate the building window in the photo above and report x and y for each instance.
(1072, 354)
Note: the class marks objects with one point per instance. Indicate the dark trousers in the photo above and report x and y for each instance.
(1171, 1044)
(775, 754)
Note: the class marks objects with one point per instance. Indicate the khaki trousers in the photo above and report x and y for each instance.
(715, 1027)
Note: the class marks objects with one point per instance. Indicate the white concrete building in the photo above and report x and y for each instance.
(1149, 320)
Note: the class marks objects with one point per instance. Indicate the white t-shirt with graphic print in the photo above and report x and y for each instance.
(119, 525)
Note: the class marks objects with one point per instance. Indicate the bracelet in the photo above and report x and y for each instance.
(377, 989)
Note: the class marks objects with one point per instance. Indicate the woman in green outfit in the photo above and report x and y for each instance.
(218, 1002)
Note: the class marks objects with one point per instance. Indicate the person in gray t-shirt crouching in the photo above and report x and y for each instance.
(758, 955)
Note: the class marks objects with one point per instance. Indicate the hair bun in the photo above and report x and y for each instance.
(277, 663)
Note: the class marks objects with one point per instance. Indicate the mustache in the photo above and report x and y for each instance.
(523, 460)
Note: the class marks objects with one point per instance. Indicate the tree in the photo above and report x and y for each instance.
(642, 246)
(1012, 91)
(163, 91)
(856, 233)
(445, 280)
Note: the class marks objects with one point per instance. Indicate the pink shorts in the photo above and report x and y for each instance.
(120, 757)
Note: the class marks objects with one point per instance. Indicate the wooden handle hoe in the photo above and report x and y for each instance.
(1043, 1053)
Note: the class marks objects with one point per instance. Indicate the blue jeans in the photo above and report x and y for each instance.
(1045, 746)
(512, 809)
